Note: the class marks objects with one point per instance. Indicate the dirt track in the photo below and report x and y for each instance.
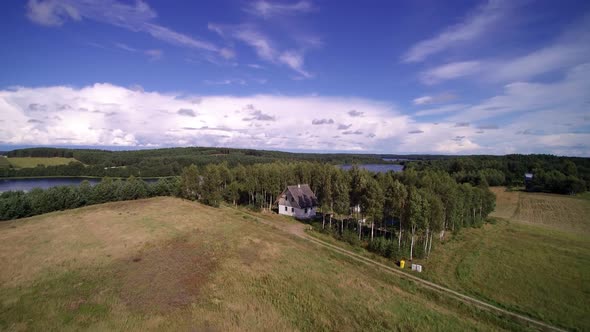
(299, 231)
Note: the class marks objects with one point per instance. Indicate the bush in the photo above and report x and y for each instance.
(350, 237)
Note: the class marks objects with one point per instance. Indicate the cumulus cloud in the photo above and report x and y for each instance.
(322, 121)
(186, 112)
(344, 127)
(108, 115)
(355, 113)
(258, 115)
(350, 132)
(488, 127)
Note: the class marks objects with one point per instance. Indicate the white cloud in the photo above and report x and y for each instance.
(154, 54)
(105, 114)
(138, 16)
(568, 50)
(441, 110)
(450, 71)
(471, 28)
(440, 98)
(564, 52)
(264, 47)
(267, 9)
(570, 93)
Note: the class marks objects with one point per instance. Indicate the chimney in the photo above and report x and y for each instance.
(298, 185)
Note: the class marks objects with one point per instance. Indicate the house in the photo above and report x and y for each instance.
(298, 201)
(528, 181)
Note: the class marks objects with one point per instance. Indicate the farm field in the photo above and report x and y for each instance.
(540, 272)
(538, 268)
(166, 263)
(29, 162)
(4, 162)
(565, 213)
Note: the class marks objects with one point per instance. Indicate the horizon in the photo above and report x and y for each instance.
(409, 78)
(8, 148)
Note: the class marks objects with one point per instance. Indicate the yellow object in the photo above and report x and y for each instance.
(402, 263)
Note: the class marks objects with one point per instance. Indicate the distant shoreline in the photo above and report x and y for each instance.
(81, 176)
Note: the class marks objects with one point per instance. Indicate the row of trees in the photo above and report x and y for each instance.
(409, 208)
(563, 175)
(19, 204)
(403, 210)
(161, 162)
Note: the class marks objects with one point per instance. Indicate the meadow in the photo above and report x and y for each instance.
(167, 263)
(560, 212)
(534, 258)
(30, 162)
(535, 263)
(4, 162)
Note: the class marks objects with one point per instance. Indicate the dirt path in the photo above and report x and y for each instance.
(298, 229)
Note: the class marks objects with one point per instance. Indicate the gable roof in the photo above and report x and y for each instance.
(303, 196)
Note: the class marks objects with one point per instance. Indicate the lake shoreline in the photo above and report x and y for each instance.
(82, 176)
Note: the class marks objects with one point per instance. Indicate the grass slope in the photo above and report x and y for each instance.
(29, 162)
(165, 263)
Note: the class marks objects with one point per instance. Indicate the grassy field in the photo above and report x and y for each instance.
(28, 162)
(565, 213)
(4, 162)
(165, 263)
(537, 261)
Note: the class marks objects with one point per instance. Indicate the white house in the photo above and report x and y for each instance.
(298, 201)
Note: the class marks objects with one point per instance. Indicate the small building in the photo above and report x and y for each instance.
(298, 201)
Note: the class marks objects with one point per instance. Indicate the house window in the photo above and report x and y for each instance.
(292, 209)
(306, 210)
(286, 208)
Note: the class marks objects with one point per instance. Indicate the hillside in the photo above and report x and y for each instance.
(166, 263)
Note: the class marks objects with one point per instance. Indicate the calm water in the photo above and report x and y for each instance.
(28, 184)
(377, 168)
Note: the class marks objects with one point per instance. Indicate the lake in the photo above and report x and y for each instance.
(377, 168)
(44, 183)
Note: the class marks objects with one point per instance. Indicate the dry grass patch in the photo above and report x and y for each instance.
(566, 213)
(170, 276)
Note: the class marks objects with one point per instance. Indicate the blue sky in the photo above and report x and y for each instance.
(456, 77)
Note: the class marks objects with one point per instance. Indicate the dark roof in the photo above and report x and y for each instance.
(303, 196)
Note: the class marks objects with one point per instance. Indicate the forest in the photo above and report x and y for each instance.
(400, 213)
(560, 175)
(554, 174)
(161, 162)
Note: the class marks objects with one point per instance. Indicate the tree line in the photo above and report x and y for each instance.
(20, 204)
(393, 214)
(562, 175)
(162, 162)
